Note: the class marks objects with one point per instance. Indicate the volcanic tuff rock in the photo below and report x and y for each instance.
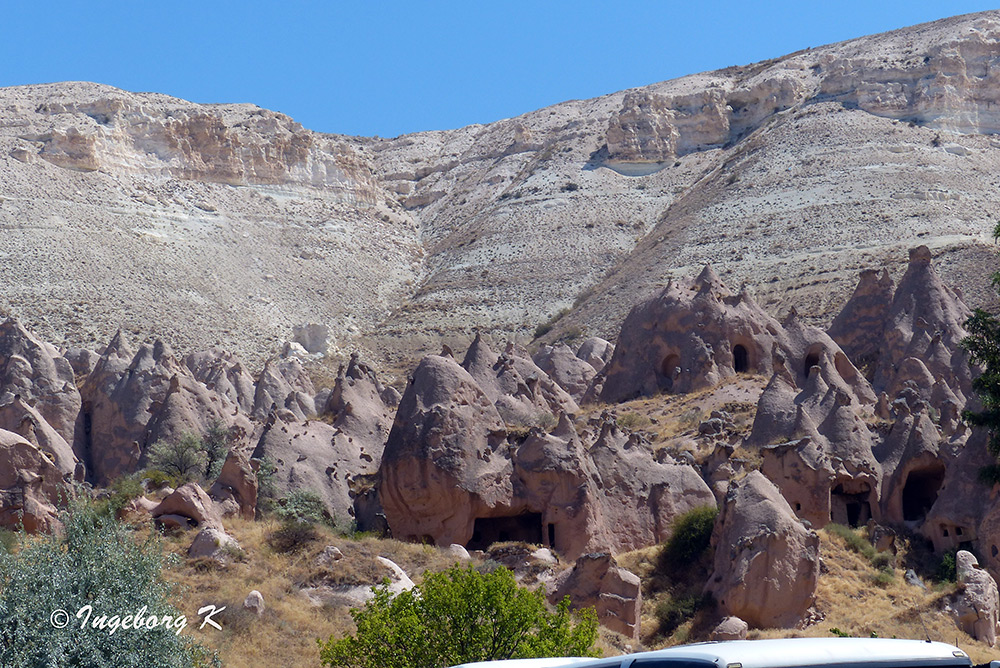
(32, 489)
(979, 603)
(449, 475)
(790, 175)
(697, 332)
(597, 581)
(766, 563)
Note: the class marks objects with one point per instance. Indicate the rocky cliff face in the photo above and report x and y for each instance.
(233, 225)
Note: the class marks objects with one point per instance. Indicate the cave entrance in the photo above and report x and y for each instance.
(526, 528)
(741, 359)
(920, 491)
(812, 359)
(850, 507)
(669, 369)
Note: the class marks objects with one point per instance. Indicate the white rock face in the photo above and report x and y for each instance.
(819, 163)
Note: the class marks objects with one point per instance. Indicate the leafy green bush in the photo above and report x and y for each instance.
(460, 616)
(947, 570)
(157, 479)
(691, 537)
(123, 489)
(95, 562)
(303, 506)
(267, 488)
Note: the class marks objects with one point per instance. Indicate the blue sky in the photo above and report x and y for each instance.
(387, 68)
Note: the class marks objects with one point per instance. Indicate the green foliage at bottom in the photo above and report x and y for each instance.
(96, 562)
(459, 616)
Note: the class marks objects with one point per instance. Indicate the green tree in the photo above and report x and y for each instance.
(216, 443)
(185, 459)
(97, 561)
(983, 344)
(458, 616)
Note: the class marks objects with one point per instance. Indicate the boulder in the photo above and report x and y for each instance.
(82, 360)
(976, 606)
(596, 352)
(730, 628)
(212, 543)
(766, 562)
(254, 602)
(191, 502)
(329, 555)
(596, 581)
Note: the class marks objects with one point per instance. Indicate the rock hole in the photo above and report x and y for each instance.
(526, 528)
(812, 359)
(994, 551)
(850, 504)
(669, 368)
(920, 491)
(741, 359)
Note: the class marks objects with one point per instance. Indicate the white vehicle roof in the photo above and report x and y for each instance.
(779, 653)
(527, 663)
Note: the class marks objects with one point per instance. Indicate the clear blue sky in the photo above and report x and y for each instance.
(390, 67)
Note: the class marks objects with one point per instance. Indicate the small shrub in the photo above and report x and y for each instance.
(547, 326)
(691, 537)
(840, 634)
(430, 625)
(570, 187)
(157, 479)
(123, 489)
(884, 561)
(293, 536)
(8, 540)
(947, 570)
(673, 612)
(632, 421)
(267, 488)
(884, 578)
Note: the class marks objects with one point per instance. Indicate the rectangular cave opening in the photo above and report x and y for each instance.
(850, 509)
(526, 527)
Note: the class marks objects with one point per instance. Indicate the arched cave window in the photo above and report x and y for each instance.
(741, 359)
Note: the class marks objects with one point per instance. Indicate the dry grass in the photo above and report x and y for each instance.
(286, 634)
(670, 421)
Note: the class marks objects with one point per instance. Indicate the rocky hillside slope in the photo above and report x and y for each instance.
(231, 225)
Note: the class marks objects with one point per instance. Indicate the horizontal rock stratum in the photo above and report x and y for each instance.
(232, 225)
